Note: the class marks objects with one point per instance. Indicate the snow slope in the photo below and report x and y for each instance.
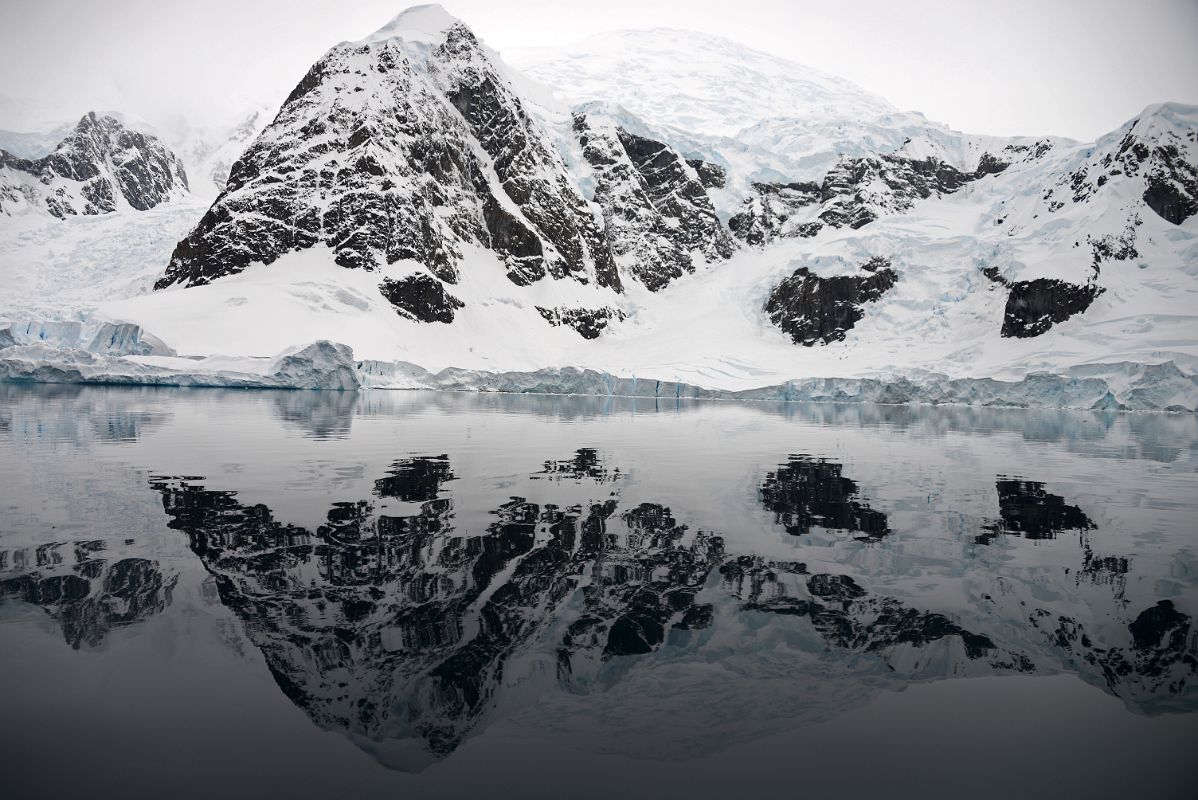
(980, 232)
(694, 82)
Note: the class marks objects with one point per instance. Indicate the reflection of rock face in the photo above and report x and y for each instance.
(415, 480)
(401, 631)
(1155, 670)
(584, 464)
(90, 596)
(639, 592)
(846, 616)
(807, 492)
(1029, 511)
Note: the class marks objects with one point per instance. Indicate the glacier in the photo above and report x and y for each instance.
(1028, 271)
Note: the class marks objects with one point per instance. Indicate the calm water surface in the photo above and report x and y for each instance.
(227, 594)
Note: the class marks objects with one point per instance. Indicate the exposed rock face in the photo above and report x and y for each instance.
(765, 214)
(392, 150)
(1171, 177)
(589, 322)
(854, 193)
(658, 216)
(712, 176)
(1158, 151)
(530, 171)
(99, 167)
(814, 310)
(1034, 306)
(857, 191)
(421, 297)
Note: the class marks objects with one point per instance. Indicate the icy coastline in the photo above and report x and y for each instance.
(124, 354)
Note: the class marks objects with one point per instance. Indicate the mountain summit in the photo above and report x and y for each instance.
(99, 167)
(412, 147)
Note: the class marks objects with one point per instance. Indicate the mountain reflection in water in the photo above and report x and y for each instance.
(429, 563)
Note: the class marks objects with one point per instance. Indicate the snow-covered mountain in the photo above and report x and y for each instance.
(209, 151)
(99, 167)
(673, 205)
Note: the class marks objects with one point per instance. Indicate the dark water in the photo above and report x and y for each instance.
(227, 594)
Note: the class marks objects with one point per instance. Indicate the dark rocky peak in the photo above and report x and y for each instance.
(820, 310)
(98, 168)
(657, 214)
(531, 172)
(1157, 152)
(358, 157)
(410, 145)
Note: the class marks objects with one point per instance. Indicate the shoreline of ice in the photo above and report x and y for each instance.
(126, 355)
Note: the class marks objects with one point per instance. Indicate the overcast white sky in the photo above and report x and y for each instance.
(1069, 67)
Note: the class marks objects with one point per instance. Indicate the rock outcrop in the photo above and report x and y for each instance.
(658, 217)
(1157, 153)
(815, 310)
(1034, 306)
(421, 297)
(589, 322)
(854, 193)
